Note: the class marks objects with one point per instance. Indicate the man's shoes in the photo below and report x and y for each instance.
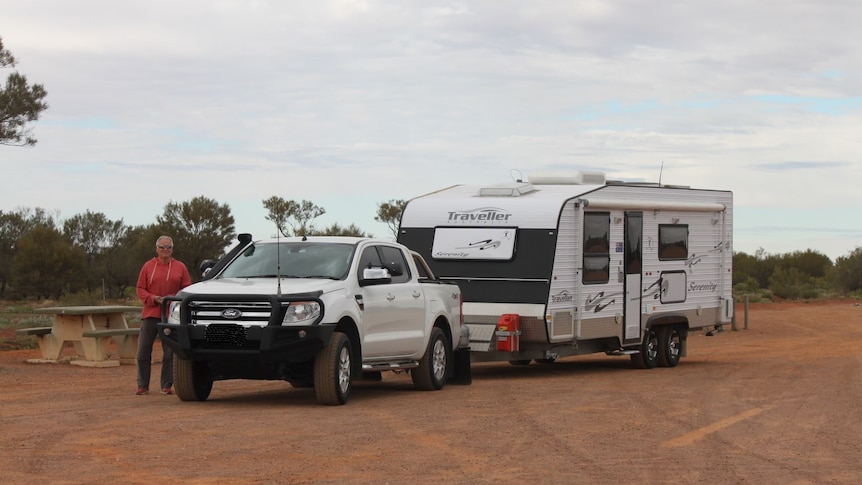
(167, 390)
(142, 391)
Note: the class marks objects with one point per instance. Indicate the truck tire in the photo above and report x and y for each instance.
(647, 358)
(434, 365)
(191, 380)
(332, 369)
(669, 346)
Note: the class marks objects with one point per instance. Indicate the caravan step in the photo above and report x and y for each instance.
(623, 352)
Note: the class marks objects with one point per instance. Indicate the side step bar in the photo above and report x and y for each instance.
(390, 366)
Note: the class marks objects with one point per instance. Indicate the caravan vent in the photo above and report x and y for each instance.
(572, 178)
(506, 190)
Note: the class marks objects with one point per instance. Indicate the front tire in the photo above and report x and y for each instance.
(669, 346)
(332, 368)
(434, 365)
(191, 380)
(647, 358)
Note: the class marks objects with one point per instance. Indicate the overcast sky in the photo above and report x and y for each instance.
(349, 103)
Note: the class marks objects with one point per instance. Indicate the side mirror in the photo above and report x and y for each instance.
(375, 276)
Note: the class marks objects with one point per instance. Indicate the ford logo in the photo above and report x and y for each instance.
(231, 313)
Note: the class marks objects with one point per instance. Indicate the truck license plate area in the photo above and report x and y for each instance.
(226, 334)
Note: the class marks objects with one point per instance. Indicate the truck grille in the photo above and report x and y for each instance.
(244, 313)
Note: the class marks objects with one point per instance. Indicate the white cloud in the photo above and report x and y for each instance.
(351, 103)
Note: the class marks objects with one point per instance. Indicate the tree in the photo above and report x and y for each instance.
(201, 229)
(47, 265)
(98, 236)
(297, 215)
(390, 214)
(13, 225)
(847, 273)
(20, 104)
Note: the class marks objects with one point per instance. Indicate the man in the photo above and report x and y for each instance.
(160, 277)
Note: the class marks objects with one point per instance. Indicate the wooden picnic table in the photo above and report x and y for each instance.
(91, 330)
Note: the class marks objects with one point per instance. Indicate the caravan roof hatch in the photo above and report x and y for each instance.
(515, 189)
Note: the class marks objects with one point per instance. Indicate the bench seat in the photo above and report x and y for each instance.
(111, 332)
(38, 331)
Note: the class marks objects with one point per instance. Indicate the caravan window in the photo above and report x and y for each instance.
(597, 247)
(672, 242)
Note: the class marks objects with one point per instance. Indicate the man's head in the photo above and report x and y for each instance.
(164, 246)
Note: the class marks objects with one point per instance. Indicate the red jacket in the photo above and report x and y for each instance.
(160, 279)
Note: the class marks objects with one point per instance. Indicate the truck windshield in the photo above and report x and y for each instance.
(297, 260)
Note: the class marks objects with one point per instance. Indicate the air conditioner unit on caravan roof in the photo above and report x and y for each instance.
(570, 178)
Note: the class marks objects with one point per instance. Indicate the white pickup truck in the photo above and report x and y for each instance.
(316, 312)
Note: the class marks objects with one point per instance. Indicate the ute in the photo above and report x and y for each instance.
(316, 312)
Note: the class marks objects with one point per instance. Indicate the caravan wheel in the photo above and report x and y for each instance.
(669, 346)
(647, 358)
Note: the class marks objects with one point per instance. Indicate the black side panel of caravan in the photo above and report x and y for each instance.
(524, 279)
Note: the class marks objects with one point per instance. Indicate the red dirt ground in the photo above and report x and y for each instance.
(777, 403)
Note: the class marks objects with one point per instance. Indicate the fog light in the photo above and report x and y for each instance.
(167, 331)
(301, 334)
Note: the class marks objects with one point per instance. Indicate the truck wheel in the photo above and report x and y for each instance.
(669, 345)
(520, 362)
(647, 358)
(332, 371)
(191, 380)
(434, 365)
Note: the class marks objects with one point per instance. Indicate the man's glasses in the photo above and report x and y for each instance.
(164, 247)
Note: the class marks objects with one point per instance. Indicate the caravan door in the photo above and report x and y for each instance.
(633, 264)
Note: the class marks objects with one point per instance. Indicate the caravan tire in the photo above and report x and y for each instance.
(669, 345)
(647, 358)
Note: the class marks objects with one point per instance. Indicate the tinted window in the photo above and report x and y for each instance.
(597, 244)
(393, 260)
(672, 242)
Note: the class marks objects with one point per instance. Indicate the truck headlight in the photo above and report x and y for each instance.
(301, 312)
(174, 312)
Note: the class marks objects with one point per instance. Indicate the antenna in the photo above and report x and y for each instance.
(520, 175)
(660, 172)
(278, 256)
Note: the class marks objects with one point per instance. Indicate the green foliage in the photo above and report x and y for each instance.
(20, 103)
(46, 265)
(390, 214)
(201, 229)
(298, 215)
(96, 235)
(337, 230)
(792, 284)
(847, 274)
(796, 275)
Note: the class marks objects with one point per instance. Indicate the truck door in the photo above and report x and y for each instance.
(632, 264)
(393, 318)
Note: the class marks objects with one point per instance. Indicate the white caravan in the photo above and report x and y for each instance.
(559, 266)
